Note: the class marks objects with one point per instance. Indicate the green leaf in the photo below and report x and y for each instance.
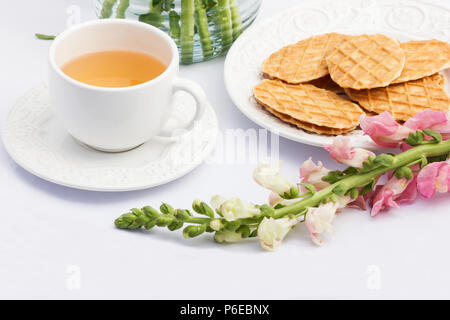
(333, 176)
(353, 193)
(310, 188)
(368, 187)
(415, 138)
(435, 135)
(340, 190)
(350, 171)
(267, 210)
(384, 160)
(41, 36)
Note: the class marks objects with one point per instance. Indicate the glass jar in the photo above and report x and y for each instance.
(202, 29)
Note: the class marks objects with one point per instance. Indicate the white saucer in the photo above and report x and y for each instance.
(36, 140)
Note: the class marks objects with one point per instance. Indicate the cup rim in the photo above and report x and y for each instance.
(173, 63)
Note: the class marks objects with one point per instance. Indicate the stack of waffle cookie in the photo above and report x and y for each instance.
(324, 84)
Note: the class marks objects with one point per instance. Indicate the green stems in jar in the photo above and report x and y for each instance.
(122, 8)
(236, 20)
(154, 16)
(225, 25)
(174, 25)
(187, 30)
(107, 8)
(203, 30)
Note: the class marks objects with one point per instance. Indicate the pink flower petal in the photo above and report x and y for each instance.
(340, 149)
(384, 130)
(359, 203)
(381, 200)
(426, 120)
(410, 193)
(309, 167)
(388, 195)
(434, 176)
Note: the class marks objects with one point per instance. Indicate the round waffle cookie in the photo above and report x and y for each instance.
(304, 60)
(424, 58)
(366, 61)
(308, 107)
(404, 100)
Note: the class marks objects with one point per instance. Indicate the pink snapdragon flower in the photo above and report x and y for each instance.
(434, 177)
(318, 220)
(393, 193)
(430, 119)
(312, 174)
(384, 130)
(342, 151)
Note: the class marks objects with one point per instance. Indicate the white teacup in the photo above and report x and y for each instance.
(116, 119)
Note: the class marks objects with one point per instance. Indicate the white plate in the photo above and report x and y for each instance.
(404, 20)
(36, 141)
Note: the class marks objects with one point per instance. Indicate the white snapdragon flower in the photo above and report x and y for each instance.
(269, 177)
(271, 232)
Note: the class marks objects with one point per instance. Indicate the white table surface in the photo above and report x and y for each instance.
(57, 242)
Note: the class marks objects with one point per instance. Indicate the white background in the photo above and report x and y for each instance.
(52, 235)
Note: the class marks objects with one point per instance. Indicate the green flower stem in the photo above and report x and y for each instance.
(122, 8)
(107, 8)
(406, 158)
(174, 25)
(235, 19)
(203, 29)
(154, 16)
(225, 23)
(197, 220)
(231, 231)
(187, 30)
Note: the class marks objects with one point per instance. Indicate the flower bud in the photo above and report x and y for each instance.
(216, 225)
(244, 230)
(122, 222)
(166, 208)
(353, 193)
(150, 225)
(164, 220)
(137, 212)
(194, 231)
(175, 225)
(233, 225)
(182, 215)
(202, 208)
(150, 212)
(292, 193)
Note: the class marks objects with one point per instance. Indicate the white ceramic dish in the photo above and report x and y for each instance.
(405, 20)
(36, 140)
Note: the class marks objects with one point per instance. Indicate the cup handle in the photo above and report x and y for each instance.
(197, 92)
